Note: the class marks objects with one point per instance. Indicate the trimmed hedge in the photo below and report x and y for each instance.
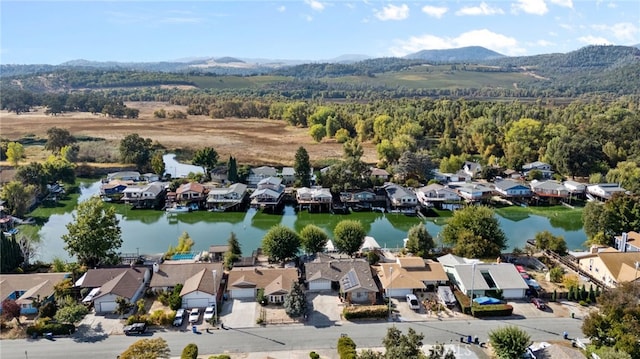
(346, 348)
(463, 300)
(360, 312)
(492, 310)
(55, 328)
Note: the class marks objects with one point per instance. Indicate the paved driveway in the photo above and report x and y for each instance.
(95, 327)
(324, 309)
(236, 313)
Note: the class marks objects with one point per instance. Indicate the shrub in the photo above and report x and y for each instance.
(261, 298)
(220, 356)
(556, 274)
(190, 352)
(55, 328)
(346, 348)
(359, 312)
(491, 310)
(161, 318)
(138, 318)
(314, 355)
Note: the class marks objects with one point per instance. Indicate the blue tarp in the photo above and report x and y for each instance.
(487, 300)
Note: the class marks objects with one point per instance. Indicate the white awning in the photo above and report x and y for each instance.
(91, 294)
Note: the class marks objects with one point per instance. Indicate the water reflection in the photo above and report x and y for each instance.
(153, 231)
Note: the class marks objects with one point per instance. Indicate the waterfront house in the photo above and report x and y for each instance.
(191, 192)
(611, 266)
(144, 196)
(201, 281)
(107, 284)
(443, 177)
(259, 173)
(437, 195)
(628, 242)
(575, 188)
(352, 277)
(511, 189)
(549, 189)
(24, 289)
(471, 191)
(113, 190)
(314, 197)
(269, 192)
(227, 197)
(543, 167)
(410, 274)
(288, 176)
(604, 191)
(124, 176)
(400, 197)
(217, 251)
(243, 283)
(484, 279)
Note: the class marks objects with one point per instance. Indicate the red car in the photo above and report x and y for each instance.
(539, 303)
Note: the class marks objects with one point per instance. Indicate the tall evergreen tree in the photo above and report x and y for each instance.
(302, 167)
(10, 254)
(232, 168)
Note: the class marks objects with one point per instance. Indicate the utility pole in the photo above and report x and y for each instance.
(389, 294)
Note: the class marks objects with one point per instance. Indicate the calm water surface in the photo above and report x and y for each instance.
(150, 231)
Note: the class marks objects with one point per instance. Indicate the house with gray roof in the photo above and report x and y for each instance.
(243, 283)
(484, 279)
(200, 281)
(549, 189)
(543, 167)
(400, 197)
(472, 169)
(437, 195)
(471, 191)
(512, 189)
(259, 173)
(604, 191)
(145, 196)
(107, 284)
(269, 192)
(288, 175)
(352, 276)
(223, 198)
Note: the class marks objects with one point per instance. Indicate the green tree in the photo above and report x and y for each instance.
(207, 158)
(352, 150)
(317, 132)
(475, 226)
(137, 150)
(72, 313)
(546, 240)
(147, 349)
(69, 153)
(234, 244)
(17, 197)
(15, 152)
(157, 164)
(59, 169)
(94, 234)
(313, 239)
(619, 214)
(627, 174)
(34, 174)
(452, 164)
(616, 322)
(387, 152)
(295, 302)
(611, 353)
(523, 140)
(414, 165)
(302, 167)
(349, 236)
(58, 138)
(47, 310)
(509, 342)
(399, 345)
(281, 243)
(190, 352)
(232, 174)
(123, 306)
(419, 241)
(346, 348)
(556, 274)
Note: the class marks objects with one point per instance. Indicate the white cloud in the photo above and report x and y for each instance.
(624, 31)
(594, 40)
(536, 7)
(563, 3)
(281, 8)
(544, 43)
(393, 12)
(309, 18)
(315, 5)
(180, 20)
(482, 9)
(491, 40)
(435, 11)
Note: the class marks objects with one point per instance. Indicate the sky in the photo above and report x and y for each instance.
(52, 32)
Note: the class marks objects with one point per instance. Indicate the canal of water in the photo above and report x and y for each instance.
(151, 231)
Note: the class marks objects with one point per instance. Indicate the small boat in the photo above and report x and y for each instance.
(178, 209)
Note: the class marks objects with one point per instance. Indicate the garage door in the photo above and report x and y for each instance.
(400, 292)
(107, 307)
(243, 293)
(196, 303)
(318, 285)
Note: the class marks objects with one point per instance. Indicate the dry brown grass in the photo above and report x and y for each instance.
(251, 141)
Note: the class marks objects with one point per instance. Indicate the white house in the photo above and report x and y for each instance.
(543, 167)
(510, 188)
(436, 193)
(259, 173)
(400, 196)
(605, 191)
(472, 191)
(288, 175)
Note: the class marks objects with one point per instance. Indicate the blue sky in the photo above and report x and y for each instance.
(53, 32)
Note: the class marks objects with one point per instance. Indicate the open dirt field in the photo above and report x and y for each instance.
(251, 141)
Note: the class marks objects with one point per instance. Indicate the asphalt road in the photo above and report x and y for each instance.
(282, 338)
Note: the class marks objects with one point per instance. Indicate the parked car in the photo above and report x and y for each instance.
(413, 302)
(208, 314)
(177, 322)
(539, 303)
(194, 315)
(135, 328)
